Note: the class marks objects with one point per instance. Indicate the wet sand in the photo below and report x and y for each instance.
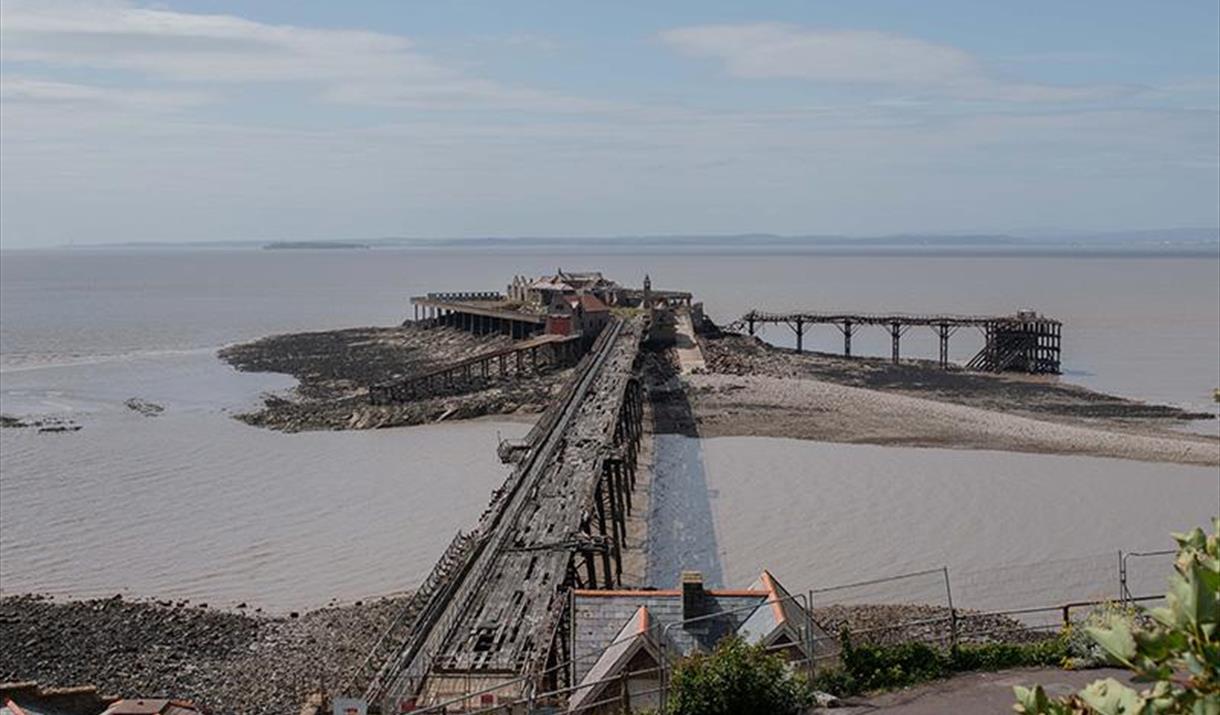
(752, 389)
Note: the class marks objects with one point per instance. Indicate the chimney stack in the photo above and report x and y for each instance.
(693, 599)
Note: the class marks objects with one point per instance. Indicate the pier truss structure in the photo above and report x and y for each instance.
(1023, 342)
(491, 617)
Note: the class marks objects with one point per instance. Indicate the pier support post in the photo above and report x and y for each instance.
(847, 328)
(799, 329)
(590, 570)
(944, 331)
(600, 504)
(750, 322)
(896, 336)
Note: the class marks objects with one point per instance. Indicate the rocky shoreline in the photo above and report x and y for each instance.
(225, 662)
(335, 368)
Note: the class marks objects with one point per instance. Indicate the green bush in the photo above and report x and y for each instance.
(737, 679)
(997, 656)
(867, 668)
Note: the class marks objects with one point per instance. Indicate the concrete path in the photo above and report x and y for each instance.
(690, 357)
(971, 693)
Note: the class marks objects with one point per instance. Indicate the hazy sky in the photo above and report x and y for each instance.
(275, 120)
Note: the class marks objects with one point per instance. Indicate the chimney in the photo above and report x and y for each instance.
(693, 600)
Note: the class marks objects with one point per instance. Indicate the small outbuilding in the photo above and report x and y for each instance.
(622, 639)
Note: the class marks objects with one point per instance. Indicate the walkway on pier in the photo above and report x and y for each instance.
(1024, 341)
(493, 620)
(523, 358)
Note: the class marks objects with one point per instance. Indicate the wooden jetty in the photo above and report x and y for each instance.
(490, 620)
(527, 357)
(1024, 342)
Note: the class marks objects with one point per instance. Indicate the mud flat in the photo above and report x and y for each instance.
(335, 369)
(223, 661)
(753, 389)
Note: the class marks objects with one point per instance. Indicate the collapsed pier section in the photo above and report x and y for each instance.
(1023, 342)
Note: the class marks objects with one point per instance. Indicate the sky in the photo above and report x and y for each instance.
(295, 120)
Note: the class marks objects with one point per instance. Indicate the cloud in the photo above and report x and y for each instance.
(70, 94)
(775, 50)
(349, 66)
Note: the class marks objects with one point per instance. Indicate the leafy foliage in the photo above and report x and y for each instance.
(1083, 651)
(737, 679)
(1178, 654)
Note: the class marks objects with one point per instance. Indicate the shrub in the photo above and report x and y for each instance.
(737, 679)
(1082, 650)
(1178, 652)
(885, 667)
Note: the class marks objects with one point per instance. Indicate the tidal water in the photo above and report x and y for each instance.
(1014, 530)
(193, 504)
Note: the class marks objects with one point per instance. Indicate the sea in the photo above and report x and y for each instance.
(193, 504)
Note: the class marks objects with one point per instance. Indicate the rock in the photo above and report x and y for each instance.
(144, 407)
(13, 422)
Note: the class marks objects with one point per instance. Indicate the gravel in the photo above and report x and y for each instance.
(887, 624)
(225, 662)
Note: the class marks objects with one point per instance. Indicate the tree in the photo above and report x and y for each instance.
(1178, 655)
(738, 679)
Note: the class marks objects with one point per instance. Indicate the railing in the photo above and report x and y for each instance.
(450, 604)
(466, 295)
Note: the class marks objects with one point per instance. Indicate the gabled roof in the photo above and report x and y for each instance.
(635, 635)
(600, 615)
(780, 615)
(764, 614)
(551, 283)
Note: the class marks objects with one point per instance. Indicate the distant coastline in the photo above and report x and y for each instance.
(1202, 242)
(310, 245)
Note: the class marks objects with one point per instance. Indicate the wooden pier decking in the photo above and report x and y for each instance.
(491, 617)
(1025, 341)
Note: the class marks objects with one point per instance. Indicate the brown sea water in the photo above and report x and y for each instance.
(194, 504)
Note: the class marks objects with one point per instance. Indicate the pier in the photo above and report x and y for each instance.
(490, 619)
(527, 357)
(1023, 342)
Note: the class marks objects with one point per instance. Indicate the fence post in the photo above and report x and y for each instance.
(952, 611)
(813, 670)
(1123, 592)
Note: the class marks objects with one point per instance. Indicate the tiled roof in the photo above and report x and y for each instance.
(605, 622)
(600, 618)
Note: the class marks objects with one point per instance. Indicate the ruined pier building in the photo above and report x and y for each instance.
(566, 303)
(555, 319)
